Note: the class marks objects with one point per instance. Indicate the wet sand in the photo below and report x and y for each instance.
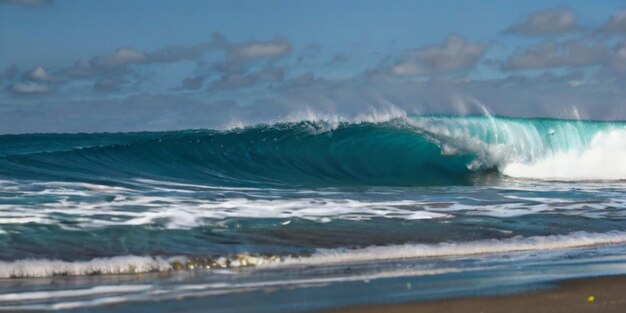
(572, 296)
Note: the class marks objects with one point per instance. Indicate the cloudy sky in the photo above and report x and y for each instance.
(131, 65)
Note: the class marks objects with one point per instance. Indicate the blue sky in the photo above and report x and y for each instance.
(87, 66)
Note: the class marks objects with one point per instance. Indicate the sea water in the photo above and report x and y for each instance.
(306, 215)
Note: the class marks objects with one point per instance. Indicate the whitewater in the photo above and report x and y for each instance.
(334, 207)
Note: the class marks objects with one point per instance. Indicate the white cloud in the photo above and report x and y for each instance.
(454, 54)
(570, 53)
(617, 23)
(106, 65)
(240, 80)
(121, 57)
(29, 88)
(547, 22)
(121, 61)
(26, 2)
(40, 74)
(256, 50)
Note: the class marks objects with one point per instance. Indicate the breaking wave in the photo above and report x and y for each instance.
(417, 150)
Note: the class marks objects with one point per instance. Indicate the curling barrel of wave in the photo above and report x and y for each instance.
(534, 148)
(306, 153)
(420, 150)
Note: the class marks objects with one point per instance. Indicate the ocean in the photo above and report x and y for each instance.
(308, 215)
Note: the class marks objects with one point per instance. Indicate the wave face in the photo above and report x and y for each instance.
(418, 150)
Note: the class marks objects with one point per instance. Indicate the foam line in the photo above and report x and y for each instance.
(139, 264)
(459, 249)
(103, 266)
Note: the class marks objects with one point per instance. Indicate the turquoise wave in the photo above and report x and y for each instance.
(418, 150)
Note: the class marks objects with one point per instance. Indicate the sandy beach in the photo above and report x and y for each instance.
(603, 294)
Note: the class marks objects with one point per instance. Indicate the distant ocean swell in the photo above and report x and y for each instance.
(412, 151)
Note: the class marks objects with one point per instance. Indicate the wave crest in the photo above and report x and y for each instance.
(407, 151)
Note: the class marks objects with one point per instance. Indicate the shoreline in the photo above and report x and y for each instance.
(572, 296)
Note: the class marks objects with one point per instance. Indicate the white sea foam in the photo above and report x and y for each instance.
(180, 211)
(181, 206)
(603, 159)
(322, 257)
(104, 266)
(458, 249)
(569, 151)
